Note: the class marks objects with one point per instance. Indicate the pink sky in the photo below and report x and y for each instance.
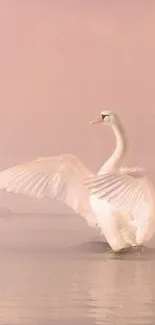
(61, 63)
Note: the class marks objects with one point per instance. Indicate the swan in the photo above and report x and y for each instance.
(120, 201)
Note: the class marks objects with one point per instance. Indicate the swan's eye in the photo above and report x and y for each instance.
(103, 116)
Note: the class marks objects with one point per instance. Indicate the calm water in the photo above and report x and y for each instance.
(54, 270)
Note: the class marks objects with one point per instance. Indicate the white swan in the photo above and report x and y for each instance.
(119, 201)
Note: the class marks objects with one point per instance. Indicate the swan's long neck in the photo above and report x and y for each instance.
(121, 146)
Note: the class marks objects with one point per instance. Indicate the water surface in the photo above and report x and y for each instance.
(56, 270)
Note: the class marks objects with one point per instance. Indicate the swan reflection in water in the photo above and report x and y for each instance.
(121, 290)
(94, 290)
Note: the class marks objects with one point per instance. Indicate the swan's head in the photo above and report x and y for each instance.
(107, 118)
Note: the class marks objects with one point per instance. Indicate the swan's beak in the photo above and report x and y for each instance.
(97, 120)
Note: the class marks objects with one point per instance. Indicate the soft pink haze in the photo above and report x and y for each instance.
(61, 63)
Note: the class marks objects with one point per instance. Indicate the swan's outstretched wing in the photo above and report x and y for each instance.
(54, 177)
(130, 192)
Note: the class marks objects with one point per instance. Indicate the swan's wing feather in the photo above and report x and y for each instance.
(128, 194)
(115, 188)
(54, 177)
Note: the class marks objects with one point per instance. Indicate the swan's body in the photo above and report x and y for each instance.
(120, 201)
